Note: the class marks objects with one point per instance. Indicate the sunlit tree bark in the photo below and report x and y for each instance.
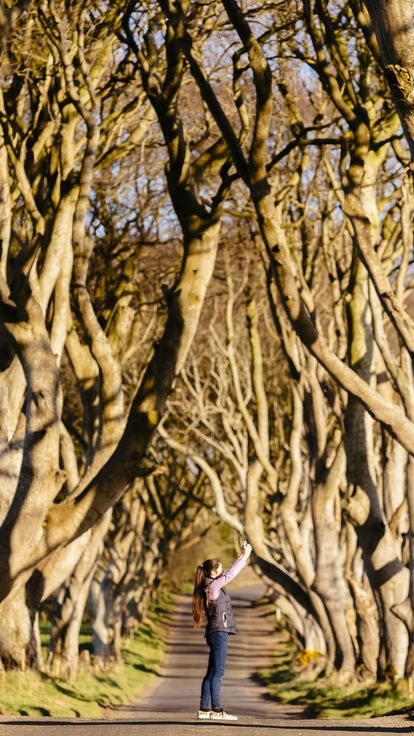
(393, 23)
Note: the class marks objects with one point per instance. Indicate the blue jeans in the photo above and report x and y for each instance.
(211, 687)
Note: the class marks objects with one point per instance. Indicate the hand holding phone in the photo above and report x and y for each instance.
(246, 548)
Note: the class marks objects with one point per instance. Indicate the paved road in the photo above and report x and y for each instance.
(169, 706)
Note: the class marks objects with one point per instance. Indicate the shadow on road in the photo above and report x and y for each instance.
(326, 727)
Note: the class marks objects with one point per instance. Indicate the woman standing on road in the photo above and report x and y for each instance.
(212, 606)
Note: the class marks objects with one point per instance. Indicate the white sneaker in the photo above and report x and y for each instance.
(221, 715)
(204, 715)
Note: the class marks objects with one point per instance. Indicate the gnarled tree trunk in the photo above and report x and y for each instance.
(63, 657)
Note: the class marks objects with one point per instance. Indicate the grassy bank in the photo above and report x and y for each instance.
(41, 694)
(323, 700)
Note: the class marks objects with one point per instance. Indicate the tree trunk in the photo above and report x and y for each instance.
(329, 579)
(393, 22)
(368, 630)
(64, 646)
(387, 575)
(303, 560)
(101, 604)
(304, 631)
(16, 631)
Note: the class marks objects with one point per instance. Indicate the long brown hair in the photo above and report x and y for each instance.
(199, 596)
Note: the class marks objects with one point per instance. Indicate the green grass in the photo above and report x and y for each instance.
(187, 588)
(323, 699)
(42, 694)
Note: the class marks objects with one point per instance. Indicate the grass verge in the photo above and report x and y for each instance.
(42, 694)
(322, 699)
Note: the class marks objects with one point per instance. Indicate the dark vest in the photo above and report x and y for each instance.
(219, 614)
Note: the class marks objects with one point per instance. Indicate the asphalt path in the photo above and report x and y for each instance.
(169, 706)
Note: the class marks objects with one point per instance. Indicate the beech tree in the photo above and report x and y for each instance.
(76, 105)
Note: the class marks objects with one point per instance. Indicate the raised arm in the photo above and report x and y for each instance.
(213, 589)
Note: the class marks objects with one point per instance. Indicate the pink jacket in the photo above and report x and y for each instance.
(213, 588)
